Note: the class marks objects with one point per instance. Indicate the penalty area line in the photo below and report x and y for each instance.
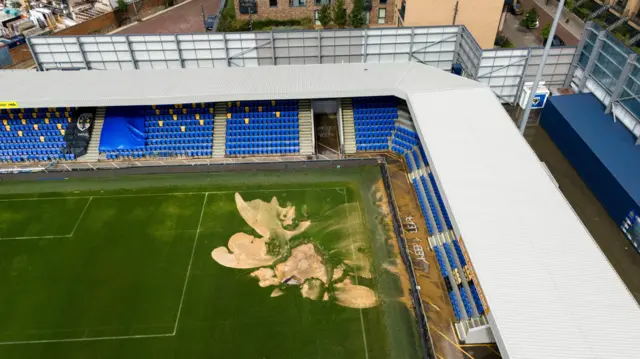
(193, 251)
(87, 339)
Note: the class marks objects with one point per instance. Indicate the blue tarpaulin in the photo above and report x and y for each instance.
(122, 131)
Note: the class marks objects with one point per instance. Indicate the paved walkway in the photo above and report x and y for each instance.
(570, 31)
(183, 18)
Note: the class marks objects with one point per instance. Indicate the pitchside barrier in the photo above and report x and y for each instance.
(425, 335)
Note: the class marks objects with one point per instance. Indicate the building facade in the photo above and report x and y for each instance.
(378, 12)
(481, 17)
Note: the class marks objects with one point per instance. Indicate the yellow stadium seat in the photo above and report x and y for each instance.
(259, 108)
(35, 127)
(273, 102)
(160, 123)
(211, 110)
(246, 121)
(184, 110)
(175, 105)
(246, 109)
(202, 104)
(201, 122)
(157, 112)
(20, 133)
(41, 138)
(22, 110)
(24, 122)
(34, 115)
(7, 127)
(175, 117)
(57, 114)
(69, 119)
(11, 116)
(46, 120)
(197, 116)
(228, 104)
(237, 103)
(59, 126)
(278, 114)
(48, 114)
(4, 122)
(68, 108)
(62, 132)
(20, 115)
(182, 128)
(171, 111)
(66, 114)
(153, 107)
(228, 115)
(193, 105)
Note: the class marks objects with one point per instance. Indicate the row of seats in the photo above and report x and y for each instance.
(138, 154)
(456, 245)
(373, 140)
(440, 201)
(406, 135)
(260, 144)
(170, 148)
(456, 307)
(37, 158)
(423, 206)
(465, 301)
(5, 111)
(277, 150)
(178, 123)
(178, 141)
(432, 206)
(248, 135)
(18, 135)
(32, 141)
(407, 158)
(188, 117)
(177, 135)
(262, 121)
(441, 263)
(36, 121)
(373, 147)
(370, 132)
(189, 129)
(476, 298)
(375, 122)
(273, 126)
(271, 115)
(29, 151)
(401, 145)
(175, 111)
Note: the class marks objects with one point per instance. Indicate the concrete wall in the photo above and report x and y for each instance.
(283, 11)
(481, 17)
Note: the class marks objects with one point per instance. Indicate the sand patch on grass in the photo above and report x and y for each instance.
(266, 276)
(312, 289)
(276, 293)
(355, 296)
(302, 264)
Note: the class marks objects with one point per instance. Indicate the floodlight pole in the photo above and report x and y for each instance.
(545, 54)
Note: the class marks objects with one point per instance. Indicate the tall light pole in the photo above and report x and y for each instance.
(545, 54)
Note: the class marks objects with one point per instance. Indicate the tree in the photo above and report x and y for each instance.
(530, 19)
(339, 13)
(226, 21)
(545, 32)
(324, 15)
(356, 17)
(569, 5)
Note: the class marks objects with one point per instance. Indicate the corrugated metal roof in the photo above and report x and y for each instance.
(139, 87)
(551, 291)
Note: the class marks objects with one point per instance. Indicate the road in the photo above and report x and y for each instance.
(545, 18)
(518, 35)
(183, 18)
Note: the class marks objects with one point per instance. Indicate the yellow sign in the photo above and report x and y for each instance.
(8, 104)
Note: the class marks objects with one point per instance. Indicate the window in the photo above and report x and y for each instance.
(273, 3)
(382, 14)
(383, 2)
(323, 2)
(316, 17)
(297, 3)
(248, 7)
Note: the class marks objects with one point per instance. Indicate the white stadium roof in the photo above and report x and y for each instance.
(551, 291)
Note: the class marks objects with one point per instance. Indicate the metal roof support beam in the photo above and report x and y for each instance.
(617, 90)
(576, 56)
(133, 60)
(245, 51)
(521, 82)
(592, 60)
(226, 51)
(179, 52)
(84, 56)
(364, 49)
(319, 47)
(505, 66)
(35, 56)
(273, 49)
(434, 43)
(411, 44)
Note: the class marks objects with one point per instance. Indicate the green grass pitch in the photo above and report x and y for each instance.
(121, 267)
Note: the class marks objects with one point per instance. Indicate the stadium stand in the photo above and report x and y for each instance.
(169, 131)
(34, 135)
(374, 120)
(262, 128)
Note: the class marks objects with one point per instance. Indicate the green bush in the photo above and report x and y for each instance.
(545, 32)
(339, 13)
(529, 19)
(503, 41)
(357, 16)
(324, 15)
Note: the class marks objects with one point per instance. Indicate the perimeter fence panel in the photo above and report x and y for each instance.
(502, 70)
(556, 67)
(469, 53)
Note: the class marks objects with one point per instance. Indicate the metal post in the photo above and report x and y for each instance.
(135, 9)
(617, 91)
(273, 49)
(576, 56)
(592, 60)
(545, 54)
(34, 55)
(84, 57)
(204, 20)
(179, 52)
(524, 70)
(226, 52)
(133, 60)
(411, 43)
(319, 47)
(366, 40)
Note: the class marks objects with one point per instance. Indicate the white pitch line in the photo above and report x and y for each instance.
(353, 253)
(35, 237)
(193, 250)
(87, 339)
(80, 218)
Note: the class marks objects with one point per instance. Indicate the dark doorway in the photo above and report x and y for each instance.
(327, 138)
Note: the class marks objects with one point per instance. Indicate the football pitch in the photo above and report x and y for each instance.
(258, 265)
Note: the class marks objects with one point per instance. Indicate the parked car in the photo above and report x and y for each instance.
(557, 41)
(210, 22)
(516, 9)
(13, 42)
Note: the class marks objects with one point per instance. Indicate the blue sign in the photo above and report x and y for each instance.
(539, 99)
